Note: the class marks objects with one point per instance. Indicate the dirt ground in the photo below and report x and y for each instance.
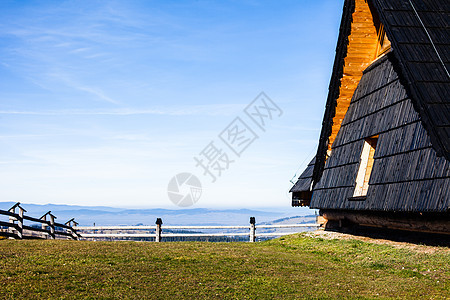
(419, 247)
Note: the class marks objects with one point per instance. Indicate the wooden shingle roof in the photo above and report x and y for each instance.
(304, 181)
(419, 32)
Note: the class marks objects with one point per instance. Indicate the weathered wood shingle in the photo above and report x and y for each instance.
(305, 179)
(407, 174)
(402, 98)
(420, 35)
(419, 32)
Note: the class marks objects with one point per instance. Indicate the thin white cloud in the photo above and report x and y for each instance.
(20, 136)
(80, 112)
(211, 110)
(293, 128)
(15, 162)
(64, 44)
(96, 92)
(78, 50)
(71, 83)
(96, 55)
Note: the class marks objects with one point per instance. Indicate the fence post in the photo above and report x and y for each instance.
(51, 234)
(158, 230)
(20, 223)
(52, 226)
(72, 231)
(11, 221)
(19, 220)
(44, 225)
(252, 229)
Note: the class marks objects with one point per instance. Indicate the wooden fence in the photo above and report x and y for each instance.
(15, 228)
(89, 232)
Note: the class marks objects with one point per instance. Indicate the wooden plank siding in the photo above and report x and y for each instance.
(407, 174)
(362, 44)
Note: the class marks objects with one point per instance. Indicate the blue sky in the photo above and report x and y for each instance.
(103, 102)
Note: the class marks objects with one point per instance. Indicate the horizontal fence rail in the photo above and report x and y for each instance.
(89, 232)
(47, 227)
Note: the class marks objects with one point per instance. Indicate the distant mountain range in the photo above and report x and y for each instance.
(103, 215)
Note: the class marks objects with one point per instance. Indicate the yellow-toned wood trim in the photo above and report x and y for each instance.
(361, 52)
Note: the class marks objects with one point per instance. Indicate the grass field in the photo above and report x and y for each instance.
(291, 267)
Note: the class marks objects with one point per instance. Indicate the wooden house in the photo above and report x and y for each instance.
(384, 148)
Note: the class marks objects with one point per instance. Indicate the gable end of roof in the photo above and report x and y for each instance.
(419, 33)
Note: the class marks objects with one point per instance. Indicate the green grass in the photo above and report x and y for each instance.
(287, 268)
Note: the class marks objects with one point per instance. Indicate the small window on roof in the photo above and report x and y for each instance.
(384, 44)
(365, 167)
